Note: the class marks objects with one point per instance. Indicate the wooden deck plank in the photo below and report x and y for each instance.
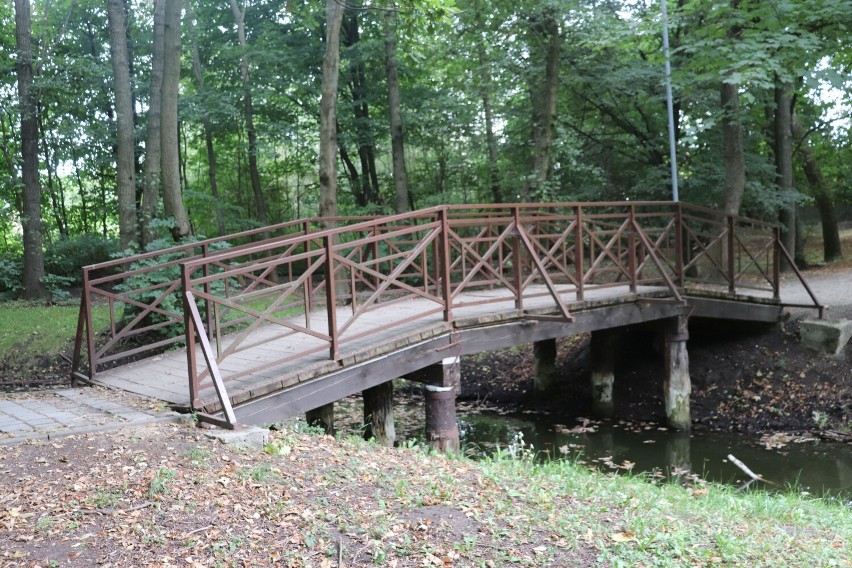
(378, 332)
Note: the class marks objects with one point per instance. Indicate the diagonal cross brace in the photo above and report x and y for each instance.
(540, 267)
(210, 358)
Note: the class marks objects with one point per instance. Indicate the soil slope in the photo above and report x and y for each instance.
(744, 378)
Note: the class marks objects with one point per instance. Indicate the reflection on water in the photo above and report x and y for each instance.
(817, 468)
(783, 460)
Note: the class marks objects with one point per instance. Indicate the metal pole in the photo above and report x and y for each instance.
(669, 104)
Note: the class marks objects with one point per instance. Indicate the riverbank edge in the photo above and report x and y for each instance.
(166, 491)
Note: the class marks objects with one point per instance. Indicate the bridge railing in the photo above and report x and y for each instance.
(142, 296)
(324, 286)
(518, 252)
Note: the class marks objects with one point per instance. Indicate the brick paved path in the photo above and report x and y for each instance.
(56, 413)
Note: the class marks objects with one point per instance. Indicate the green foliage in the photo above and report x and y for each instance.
(609, 139)
(66, 257)
(154, 273)
(57, 285)
(10, 277)
(159, 484)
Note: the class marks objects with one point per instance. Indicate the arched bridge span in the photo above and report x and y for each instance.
(284, 319)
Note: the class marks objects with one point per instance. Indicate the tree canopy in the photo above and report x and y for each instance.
(436, 102)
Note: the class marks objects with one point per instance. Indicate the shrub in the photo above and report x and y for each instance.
(171, 303)
(66, 257)
(10, 277)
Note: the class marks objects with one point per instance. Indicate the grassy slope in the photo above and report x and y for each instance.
(166, 492)
(32, 335)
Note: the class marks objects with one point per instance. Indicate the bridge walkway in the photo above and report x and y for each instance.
(285, 319)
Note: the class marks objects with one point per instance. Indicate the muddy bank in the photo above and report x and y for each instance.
(746, 379)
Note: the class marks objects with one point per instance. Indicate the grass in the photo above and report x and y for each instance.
(159, 484)
(631, 521)
(33, 330)
(347, 501)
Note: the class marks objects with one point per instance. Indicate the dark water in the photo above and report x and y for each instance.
(818, 468)
(809, 466)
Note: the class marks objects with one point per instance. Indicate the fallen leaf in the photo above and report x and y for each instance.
(625, 536)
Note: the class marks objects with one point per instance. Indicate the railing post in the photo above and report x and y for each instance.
(579, 260)
(444, 256)
(776, 264)
(331, 297)
(309, 281)
(90, 331)
(731, 251)
(679, 245)
(375, 250)
(78, 339)
(211, 326)
(189, 327)
(631, 247)
(517, 265)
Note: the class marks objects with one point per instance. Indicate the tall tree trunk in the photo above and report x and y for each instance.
(831, 248)
(125, 170)
(545, 48)
(137, 150)
(57, 199)
(248, 110)
(208, 132)
(784, 163)
(732, 134)
(151, 172)
(732, 141)
(81, 191)
(369, 191)
(352, 174)
(104, 210)
(31, 211)
(328, 111)
(485, 94)
(169, 144)
(402, 200)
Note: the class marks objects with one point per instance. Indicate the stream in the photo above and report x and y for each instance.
(804, 463)
(807, 464)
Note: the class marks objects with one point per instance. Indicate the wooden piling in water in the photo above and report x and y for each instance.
(677, 386)
(544, 366)
(322, 417)
(378, 414)
(602, 351)
(440, 389)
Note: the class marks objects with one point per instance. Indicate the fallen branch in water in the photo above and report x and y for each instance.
(743, 467)
(748, 472)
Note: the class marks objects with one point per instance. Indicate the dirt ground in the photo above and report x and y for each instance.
(744, 378)
(166, 496)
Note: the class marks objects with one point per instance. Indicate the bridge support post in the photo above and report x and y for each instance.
(442, 385)
(378, 414)
(544, 366)
(602, 352)
(677, 385)
(322, 417)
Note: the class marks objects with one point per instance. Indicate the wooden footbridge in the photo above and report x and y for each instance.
(267, 324)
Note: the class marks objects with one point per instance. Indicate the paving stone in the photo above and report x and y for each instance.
(47, 415)
(251, 437)
(825, 335)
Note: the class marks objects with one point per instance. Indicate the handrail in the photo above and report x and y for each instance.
(792, 264)
(518, 251)
(106, 289)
